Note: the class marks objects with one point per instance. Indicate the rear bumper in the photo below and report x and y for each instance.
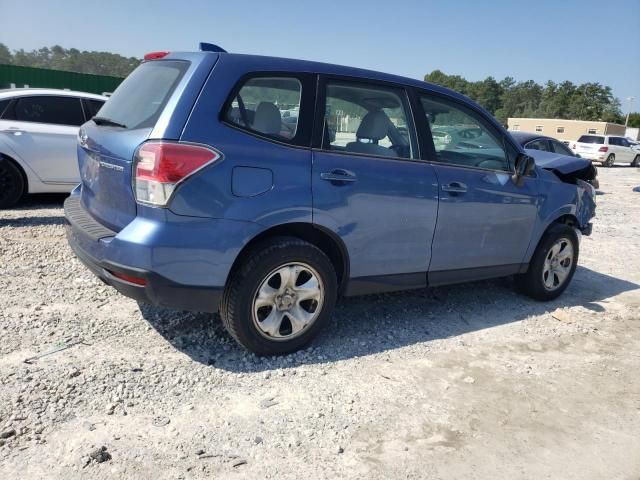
(157, 291)
(184, 261)
(594, 156)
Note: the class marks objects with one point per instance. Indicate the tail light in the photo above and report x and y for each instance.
(160, 166)
(603, 149)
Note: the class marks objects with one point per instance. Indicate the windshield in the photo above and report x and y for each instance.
(140, 99)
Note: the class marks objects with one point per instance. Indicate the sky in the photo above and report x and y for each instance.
(576, 40)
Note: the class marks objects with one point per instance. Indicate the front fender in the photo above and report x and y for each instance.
(557, 200)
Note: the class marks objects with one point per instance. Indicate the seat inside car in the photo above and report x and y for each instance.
(267, 119)
(373, 128)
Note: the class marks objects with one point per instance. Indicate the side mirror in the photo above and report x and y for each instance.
(525, 165)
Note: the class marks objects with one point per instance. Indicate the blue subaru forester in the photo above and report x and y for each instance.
(266, 188)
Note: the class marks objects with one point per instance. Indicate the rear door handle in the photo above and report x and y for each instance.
(455, 187)
(339, 176)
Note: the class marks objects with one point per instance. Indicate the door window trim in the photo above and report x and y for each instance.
(302, 138)
(321, 105)
(427, 138)
(12, 105)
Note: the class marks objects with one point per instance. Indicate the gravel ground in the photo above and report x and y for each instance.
(465, 382)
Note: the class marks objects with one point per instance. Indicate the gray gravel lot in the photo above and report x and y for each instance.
(465, 382)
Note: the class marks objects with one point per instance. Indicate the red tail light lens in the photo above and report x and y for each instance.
(603, 149)
(160, 166)
(155, 55)
(129, 278)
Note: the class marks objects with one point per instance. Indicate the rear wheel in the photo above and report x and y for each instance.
(12, 186)
(636, 161)
(280, 297)
(611, 159)
(552, 265)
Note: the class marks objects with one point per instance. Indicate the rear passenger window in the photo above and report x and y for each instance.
(47, 109)
(268, 106)
(461, 136)
(367, 120)
(561, 149)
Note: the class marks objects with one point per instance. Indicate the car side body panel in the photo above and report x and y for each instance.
(387, 221)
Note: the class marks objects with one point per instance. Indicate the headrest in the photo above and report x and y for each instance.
(374, 126)
(267, 119)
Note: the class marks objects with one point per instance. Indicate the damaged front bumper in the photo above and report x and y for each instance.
(586, 206)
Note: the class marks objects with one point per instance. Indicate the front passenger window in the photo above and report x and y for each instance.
(460, 136)
(541, 144)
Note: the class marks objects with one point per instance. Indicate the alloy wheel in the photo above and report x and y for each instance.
(288, 301)
(557, 264)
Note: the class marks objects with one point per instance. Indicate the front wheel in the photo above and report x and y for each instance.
(636, 161)
(280, 297)
(552, 265)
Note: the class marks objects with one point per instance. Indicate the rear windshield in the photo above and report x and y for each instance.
(140, 99)
(591, 139)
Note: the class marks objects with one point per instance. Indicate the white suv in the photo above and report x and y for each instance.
(608, 149)
(38, 130)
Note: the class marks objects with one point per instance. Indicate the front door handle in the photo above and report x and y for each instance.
(455, 187)
(339, 176)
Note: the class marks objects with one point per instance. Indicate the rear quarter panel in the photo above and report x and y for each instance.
(234, 187)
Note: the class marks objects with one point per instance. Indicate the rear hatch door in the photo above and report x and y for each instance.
(589, 144)
(154, 101)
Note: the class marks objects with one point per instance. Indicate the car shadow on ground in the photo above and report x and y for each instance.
(35, 202)
(377, 323)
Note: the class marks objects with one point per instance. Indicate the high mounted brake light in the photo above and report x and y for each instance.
(159, 167)
(155, 55)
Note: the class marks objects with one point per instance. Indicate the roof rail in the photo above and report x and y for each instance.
(210, 47)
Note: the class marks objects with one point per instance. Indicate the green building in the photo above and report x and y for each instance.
(12, 76)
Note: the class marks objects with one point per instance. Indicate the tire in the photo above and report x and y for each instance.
(12, 185)
(539, 282)
(611, 159)
(636, 161)
(259, 311)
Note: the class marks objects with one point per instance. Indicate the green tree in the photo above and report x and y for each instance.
(5, 54)
(508, 98)
(73, 60)
(634, 120)
(488, 93)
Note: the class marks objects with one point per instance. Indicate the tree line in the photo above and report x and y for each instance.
(70, 59)
(509, 98)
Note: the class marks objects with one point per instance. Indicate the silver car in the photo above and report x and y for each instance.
(38, 130)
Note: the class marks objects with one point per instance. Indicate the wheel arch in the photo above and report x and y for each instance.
(330, 244)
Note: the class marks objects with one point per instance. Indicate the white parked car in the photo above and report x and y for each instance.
(38, 138)
(608, 149)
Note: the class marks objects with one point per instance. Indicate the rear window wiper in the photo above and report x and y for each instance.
(107, 121)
